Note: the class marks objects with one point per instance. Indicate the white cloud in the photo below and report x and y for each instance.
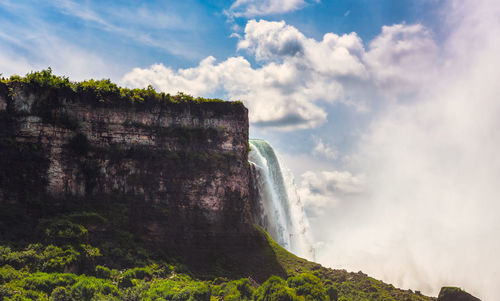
(428, 216)
(325, 151)
(402, 58)
(252, 8)
(297, 77)
(325, 189)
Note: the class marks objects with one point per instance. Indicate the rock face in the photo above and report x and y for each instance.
(182, 166)
(455, 294)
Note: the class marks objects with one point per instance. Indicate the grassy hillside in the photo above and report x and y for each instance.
(90, 255)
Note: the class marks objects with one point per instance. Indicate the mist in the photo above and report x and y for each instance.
(427, 216)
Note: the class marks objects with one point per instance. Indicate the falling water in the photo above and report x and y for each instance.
(283, 215)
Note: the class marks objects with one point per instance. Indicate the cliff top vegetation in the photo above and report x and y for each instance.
(102, 91)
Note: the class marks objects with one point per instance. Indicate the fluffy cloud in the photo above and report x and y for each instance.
(326, 151)
(299, 76)
(402, 58)
(272, 40)
(431, 164)
(320, 190)
(252, 8)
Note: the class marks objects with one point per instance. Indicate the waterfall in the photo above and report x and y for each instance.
(282, 213)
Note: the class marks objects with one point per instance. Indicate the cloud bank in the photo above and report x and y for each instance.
(427, 215)
(296, 78)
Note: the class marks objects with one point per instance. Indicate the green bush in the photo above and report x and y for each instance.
(109, 289)
(60, 294)
(56, 259)
(37, 257)
(28, 295)
(234, 290)
(86, 288)
(332, 292)
(104, 90)
(45, 78)
(135, 273)
(62, 231)
(48, 282)
(177, 291)
(309, 286)
(102, 272)
(275, 289)
(8, 273)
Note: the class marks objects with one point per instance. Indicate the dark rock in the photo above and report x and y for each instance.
(448, 293)
(180, 167)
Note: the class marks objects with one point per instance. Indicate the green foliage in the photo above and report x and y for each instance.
(102, 272)
(275, 289)
(233, 290)
(337, 284)
(177, 290)
(290, 262)
(44, 78)
(38, 257)
(332, 292)
(8, 273)
(163, 282)
(47, 282)
(309, 286)
(60, 294)
(138, 273)
(63, 231)
(86, 288)
(104, 91)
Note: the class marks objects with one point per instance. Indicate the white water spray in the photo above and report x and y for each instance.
(283, 214)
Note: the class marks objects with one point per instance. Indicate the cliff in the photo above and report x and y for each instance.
(177, 168)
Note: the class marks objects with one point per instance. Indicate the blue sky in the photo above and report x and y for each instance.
(107, 39)
(181, 33)
(386, 111)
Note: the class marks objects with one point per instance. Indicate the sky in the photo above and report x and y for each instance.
(384, 110)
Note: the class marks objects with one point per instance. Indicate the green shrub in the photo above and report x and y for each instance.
(8, 273)
(332, 292)
(60, 294)
(138, 273)
(102, 272)
(56, 259)
(48, 282)
(275, 289)
(104, 91)
(37, 257)
(309, 286)
(19, 259)
(45, 78)
(177, 291)
(86, 288)
(61, 231)
(234, 290)
(109, 289)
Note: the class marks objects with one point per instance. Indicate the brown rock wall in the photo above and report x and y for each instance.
(183, 165)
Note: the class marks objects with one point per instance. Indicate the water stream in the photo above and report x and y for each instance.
(282, 215)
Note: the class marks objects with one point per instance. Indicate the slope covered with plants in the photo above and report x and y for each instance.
(87, 246)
